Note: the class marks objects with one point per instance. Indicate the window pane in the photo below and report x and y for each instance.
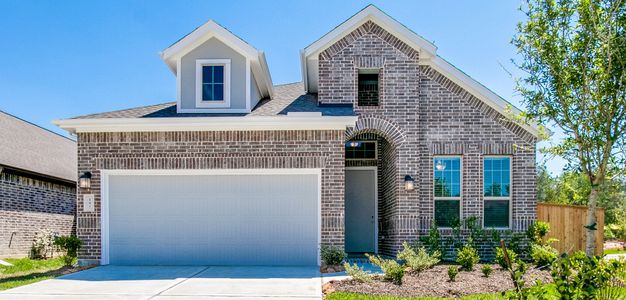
(496, 176)
(447, 212)
(207, 74)
(496, 213)
(218, 74)
(207, 92)
(218, 92)
(360, 150)
(447, 177)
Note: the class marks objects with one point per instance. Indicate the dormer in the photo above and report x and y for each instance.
(217, 72)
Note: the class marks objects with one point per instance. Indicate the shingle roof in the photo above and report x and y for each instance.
(29, 147)
(287, 98)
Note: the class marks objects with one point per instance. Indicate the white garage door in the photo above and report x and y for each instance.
(227, 219)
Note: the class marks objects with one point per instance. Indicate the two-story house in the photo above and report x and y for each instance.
(381, 139)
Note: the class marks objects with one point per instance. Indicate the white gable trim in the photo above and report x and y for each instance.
(204, 33)
(374, 14)
(257, 62)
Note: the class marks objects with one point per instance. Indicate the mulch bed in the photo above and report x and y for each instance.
(434, 282)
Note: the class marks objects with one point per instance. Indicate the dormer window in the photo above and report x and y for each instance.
(213, 82)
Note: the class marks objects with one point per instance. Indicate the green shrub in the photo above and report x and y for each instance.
(419, 261)
(500, 259)
(70, 245)
(537, 231)
(611, 293)
(332, 255)
(467, 257)
(392, 270)
(452, 272)
(581, 277)
(357, 273)
(432, 241)
(543, 255)
(487, 270)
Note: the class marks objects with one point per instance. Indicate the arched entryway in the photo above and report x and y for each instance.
(371, 185)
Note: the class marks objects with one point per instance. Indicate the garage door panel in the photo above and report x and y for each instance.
(213, 219)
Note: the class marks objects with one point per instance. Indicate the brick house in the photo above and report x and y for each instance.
(381, 139)
(37, 184)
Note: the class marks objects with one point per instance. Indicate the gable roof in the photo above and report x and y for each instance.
(172, 54)
(427, 56)
(28, 147)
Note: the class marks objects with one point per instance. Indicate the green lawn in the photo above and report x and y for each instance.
(26, 271)
(614, 251)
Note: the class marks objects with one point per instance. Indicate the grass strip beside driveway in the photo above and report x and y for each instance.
(26, 271)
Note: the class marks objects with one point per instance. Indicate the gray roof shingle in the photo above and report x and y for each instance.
(29, 147)
(287, 98)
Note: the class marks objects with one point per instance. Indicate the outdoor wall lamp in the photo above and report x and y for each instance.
(84, 181)
(409, 183)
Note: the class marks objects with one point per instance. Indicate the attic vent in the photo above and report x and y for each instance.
(368, 87)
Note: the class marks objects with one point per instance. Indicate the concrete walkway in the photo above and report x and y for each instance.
(197, 282)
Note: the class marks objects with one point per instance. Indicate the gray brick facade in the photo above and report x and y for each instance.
(214, 150)
(422, 114)
(28, 205)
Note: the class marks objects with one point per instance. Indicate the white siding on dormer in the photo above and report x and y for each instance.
(213, 49)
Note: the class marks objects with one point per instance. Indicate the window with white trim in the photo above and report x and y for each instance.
(497, 191)
(447, 190)
(213, 82)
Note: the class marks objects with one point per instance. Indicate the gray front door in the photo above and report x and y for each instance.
(360, 212)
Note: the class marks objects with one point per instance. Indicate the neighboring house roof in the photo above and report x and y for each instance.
(30, 148)
(428, 56)
(290, 104)
(258, 64)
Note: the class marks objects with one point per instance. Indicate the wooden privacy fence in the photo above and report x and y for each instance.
(566, 225)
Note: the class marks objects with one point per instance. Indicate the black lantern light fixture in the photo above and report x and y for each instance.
(84, 181)
(409, 183)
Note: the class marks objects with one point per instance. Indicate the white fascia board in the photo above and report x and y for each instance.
(202, 34)
(303, 66)
(253, 123)
(371, 13)
(269, 85)
(477, 89)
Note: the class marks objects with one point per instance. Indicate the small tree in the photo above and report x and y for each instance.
(574, 55)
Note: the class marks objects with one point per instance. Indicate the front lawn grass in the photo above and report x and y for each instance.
(26, 271)
(353, 296)
(614, 251)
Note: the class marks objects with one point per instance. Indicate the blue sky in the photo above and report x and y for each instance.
(60, 59)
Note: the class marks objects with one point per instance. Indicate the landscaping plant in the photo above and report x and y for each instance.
(467, 257)
(43, 244)
(392, 270)
(581, 277)
(487, 270)
(332, 255)
(419, 261)
(432, 241)
(452, 272)
(543, 255)
(500, 259)
(357, 273)
(70, 245)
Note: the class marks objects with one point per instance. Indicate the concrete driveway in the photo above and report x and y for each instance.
(197, 282)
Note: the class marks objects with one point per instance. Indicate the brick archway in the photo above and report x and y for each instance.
(369, 124)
